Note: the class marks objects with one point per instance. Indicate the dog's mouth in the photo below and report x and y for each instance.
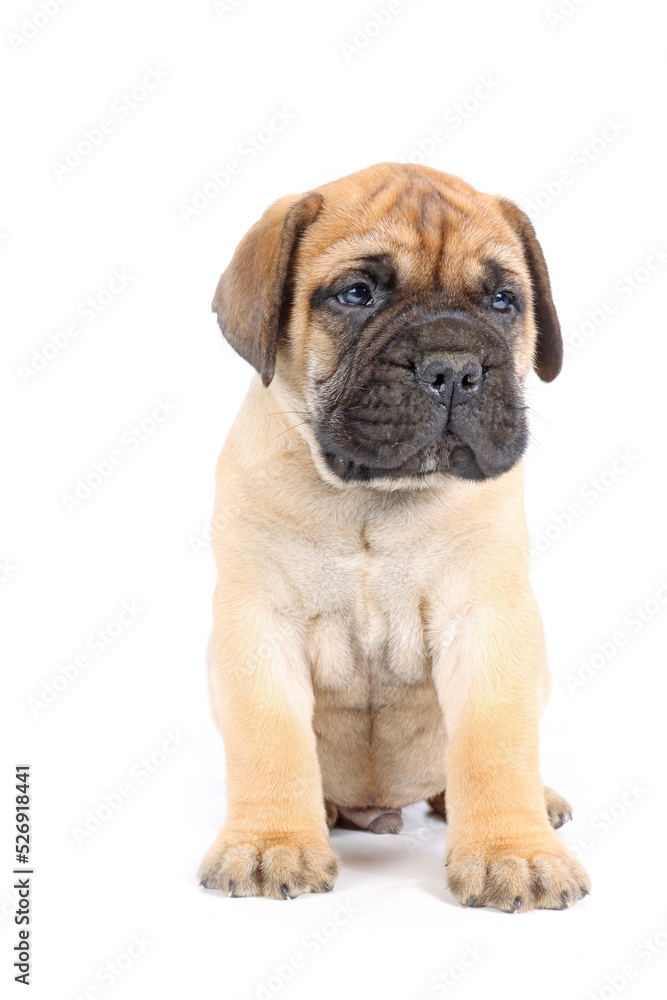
(406, 445)
(448, 457)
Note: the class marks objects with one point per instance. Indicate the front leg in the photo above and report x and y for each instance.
(501, 848)
(274, 841)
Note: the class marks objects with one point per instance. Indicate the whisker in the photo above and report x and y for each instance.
(287, 412)
(292, 427)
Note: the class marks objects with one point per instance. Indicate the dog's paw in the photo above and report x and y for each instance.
(559, 809)
(517, 877)
(280, 866)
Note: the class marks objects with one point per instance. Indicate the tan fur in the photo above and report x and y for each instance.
(373, 646)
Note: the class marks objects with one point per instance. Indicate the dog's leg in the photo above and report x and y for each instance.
(274, 841)
(331, 810)
(501, 848)
(438, 805)
(559, 809)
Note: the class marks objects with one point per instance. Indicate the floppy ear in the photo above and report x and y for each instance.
(251, 294)
(548, 359)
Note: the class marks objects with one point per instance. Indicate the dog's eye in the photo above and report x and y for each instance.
(502, 301)
(356, 295)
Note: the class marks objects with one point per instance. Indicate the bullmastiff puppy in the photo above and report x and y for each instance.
(376, 641)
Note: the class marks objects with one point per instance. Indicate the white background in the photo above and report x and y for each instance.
(134, 539)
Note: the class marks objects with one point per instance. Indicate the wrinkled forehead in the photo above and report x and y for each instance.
(443, 235)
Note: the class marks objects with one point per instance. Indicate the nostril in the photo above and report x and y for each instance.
(436, 374)
(471, 377)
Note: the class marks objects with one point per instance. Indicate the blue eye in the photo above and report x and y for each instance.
(502, 301)
(356, 295)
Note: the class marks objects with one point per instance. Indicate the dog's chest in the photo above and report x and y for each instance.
(366, 620)
(377, 718)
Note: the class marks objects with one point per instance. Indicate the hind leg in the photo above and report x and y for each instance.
(437, 804)
(331, 814)
(559, 809)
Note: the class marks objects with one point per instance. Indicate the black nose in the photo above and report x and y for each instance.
(454, 377)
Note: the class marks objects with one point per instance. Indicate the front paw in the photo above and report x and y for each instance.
(517, 876)
(280, 865)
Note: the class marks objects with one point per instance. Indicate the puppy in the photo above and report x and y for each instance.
(376, 641)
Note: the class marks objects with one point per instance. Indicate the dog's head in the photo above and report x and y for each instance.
(401, 310)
